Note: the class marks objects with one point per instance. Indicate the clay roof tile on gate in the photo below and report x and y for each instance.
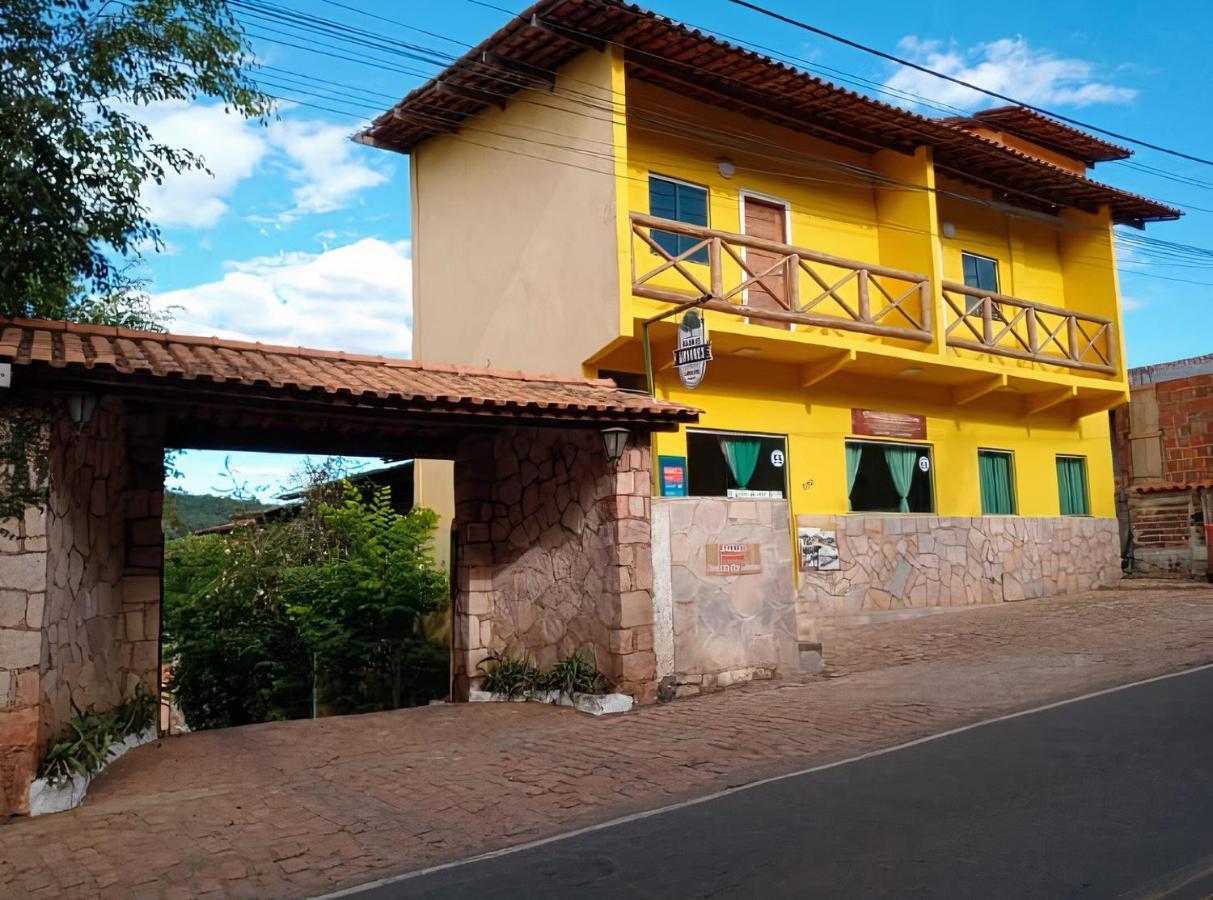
(164, 358)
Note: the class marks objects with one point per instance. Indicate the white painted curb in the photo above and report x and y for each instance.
(46, 796)
(594, 704)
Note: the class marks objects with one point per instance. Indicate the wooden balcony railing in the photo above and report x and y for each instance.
(995, 323)
(778, 284)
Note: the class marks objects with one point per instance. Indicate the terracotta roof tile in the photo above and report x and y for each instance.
(704, 67)
(293, 370)
(1170, 487)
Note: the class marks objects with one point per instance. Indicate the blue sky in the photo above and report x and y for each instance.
(302, 237)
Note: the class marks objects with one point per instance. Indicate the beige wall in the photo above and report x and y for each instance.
(515, 247)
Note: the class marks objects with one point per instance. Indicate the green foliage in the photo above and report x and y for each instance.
(328, 602)
(513, 677)
(508, 676)
(85, 746)
(186, 513)
(574, 675)
(24, 461)
(74, 155)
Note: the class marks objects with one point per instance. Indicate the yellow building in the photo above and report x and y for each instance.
(910, 318)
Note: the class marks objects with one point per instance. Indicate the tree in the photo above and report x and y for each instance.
(73, 153)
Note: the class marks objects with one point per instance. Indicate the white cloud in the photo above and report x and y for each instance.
(356, 298)
(1009, 66)
(317, 159)
(327, 173)
(1132, 304)
(230, 147)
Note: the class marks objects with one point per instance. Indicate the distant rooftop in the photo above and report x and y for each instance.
(1171, 371)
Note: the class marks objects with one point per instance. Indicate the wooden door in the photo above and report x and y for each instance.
(769, 221)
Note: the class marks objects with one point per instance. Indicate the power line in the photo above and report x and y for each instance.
(968, 84)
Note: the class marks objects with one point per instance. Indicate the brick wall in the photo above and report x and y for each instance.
(553, 554)
(1185, 417)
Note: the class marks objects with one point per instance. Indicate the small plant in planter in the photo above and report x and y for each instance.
(509, 677)
(574, 675)
(87, 744)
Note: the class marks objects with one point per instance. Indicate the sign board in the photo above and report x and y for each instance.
(733, 559)
(871, 423)
(694, 350)
(673, 475)
(818, 549)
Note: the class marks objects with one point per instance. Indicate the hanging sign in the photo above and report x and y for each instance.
(924, 464)
(694, 350)
(777, 458)
(673, 475)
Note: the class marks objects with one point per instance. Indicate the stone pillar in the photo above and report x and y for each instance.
(86, 571)
(553, 554)
(22, 596)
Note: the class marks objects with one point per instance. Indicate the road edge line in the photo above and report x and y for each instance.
(749, 785)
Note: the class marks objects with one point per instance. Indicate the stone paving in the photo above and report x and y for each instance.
(299, 808)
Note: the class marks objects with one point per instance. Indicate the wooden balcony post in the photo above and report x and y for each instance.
(1033, 338)
(865, 300)
(716, 267)
(1072, 330)
(792, 283)
(928, 307)
(987, 321)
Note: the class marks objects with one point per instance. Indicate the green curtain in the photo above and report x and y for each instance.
(1072, 485)
(854, 452)
(997, 495)
(900, 461)
(742, 456)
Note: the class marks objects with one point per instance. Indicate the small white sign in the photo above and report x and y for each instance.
(924, 464)
(777, 459)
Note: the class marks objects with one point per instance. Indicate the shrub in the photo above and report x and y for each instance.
(85, 746)
(509, 677)
(575, 675)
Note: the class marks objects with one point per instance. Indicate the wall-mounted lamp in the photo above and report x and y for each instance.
(949, 230)
(80, 408)
(726, 167)
(616, 441)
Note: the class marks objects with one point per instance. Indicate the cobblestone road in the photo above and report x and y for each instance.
(298, 808)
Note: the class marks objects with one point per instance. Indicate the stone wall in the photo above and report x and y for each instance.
(893, 566)
(86, 568)
(553, 554)
(722, 629)
(1167, 537)
(23, 553)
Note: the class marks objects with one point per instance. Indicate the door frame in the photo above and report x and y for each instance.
(744, 194)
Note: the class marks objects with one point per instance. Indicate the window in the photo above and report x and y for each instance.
(681, 202)
(980, 272)
(997, 473)
(885, 477)
(735, 464)
(1072, 485)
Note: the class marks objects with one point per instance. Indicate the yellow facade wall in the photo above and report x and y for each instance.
(752, 397)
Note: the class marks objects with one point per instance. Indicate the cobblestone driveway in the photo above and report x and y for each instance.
(298, 808)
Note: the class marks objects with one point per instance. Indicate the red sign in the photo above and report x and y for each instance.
(870, 423)
(733, 559)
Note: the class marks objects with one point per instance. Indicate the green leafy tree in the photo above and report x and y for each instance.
(74, 155)
(360, 610)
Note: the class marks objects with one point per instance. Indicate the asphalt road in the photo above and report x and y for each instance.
(1108, 797)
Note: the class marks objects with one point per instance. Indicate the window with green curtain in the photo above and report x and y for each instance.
(901, 461)
(1072, 485)
(741, 454)
(680, 202)
(854, 452)
(997, 483)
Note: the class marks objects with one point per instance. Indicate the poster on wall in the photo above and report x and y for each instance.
(673, 475)
(733, 559)
(818, 550)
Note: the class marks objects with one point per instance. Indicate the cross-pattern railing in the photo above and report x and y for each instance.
(778, 284)
(989, 322)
